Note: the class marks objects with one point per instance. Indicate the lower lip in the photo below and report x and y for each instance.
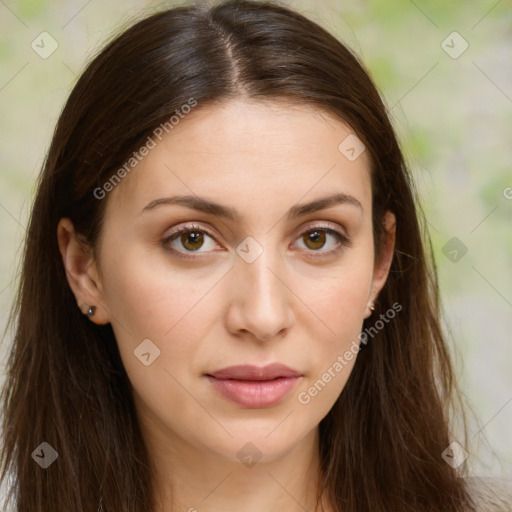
(254, 394)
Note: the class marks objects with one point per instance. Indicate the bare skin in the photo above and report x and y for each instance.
(301, 302)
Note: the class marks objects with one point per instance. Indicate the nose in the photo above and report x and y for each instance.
(260, 301)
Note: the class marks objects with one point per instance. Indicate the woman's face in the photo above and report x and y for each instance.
(264, 274)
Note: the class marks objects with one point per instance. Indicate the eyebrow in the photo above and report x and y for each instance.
(206, 206)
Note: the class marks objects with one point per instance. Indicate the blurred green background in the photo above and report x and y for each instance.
(451, 107)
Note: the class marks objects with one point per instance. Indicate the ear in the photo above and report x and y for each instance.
(381, 268)
(81, 272)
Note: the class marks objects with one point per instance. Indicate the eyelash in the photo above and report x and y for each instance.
(342, 240)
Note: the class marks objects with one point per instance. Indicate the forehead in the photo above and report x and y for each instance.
(248, 152)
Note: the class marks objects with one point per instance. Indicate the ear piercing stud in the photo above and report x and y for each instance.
(90, 311)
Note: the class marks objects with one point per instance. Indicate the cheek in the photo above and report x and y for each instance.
(172, 309)
(334, 346)
(175, 312)
(338, 298)
(338, 303)
(147, 300)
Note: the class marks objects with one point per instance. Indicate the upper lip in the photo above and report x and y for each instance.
(251, 372)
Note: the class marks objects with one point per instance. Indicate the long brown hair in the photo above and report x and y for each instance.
(382, 441)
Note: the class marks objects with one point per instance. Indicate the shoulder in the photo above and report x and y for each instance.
(490, 494)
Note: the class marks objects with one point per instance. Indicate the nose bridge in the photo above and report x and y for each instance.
(263, 299)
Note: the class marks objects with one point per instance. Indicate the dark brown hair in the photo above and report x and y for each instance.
(382, 441)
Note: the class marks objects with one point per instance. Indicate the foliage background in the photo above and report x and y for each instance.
(453, 116)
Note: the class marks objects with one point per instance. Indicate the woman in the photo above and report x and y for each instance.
(226, 303)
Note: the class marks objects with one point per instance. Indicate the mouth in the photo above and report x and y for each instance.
(255, 387)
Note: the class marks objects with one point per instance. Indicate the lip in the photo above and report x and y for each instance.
(253, 386)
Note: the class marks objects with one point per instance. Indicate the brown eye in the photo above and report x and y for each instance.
(189, 240)
(315, 240)
(192, 240)
(323, 240)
